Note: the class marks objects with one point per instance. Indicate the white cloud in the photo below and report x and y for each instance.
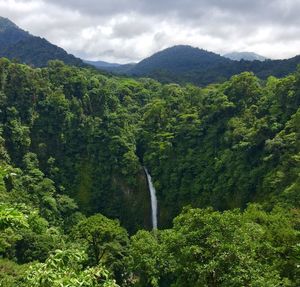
(129, 30)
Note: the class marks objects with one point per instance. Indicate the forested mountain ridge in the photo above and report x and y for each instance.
(185, 64)
(179, 59)
(73, 143)
(18, 44)
(180, 64)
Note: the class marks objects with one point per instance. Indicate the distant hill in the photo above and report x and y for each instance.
(111, 67)
(179, 64)
(18, 44)
(179, 59)
(182, 64)
(247, 56)
(101, 64)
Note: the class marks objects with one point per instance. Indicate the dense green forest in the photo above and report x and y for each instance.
(74, 211)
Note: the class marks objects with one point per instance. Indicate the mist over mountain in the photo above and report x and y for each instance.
(102, 64)
(247, 56)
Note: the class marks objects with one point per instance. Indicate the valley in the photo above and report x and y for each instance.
(179, 170)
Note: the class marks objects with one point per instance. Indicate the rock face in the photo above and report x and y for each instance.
(130, 202)
(136, 202)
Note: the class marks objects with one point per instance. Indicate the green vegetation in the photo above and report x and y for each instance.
(72, 146)
(208, 248)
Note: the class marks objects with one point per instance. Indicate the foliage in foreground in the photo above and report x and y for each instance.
(210, 248)
(65, 268)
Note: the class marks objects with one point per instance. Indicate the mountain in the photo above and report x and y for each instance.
(179, 64)
(173, 60)
(178, 59)
(16, 43)
(247, 56)
(101, 64)
(10, 33)
(185, 64)
(111, 67)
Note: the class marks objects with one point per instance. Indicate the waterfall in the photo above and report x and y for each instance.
(153, 199)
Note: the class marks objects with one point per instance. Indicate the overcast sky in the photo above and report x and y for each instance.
(129, 30)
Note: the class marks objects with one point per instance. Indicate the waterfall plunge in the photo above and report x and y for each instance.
(153, 199)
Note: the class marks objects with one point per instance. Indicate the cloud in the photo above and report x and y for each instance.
(129, 30)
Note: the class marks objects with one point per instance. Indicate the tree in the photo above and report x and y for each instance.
(11, 222)
(210, 248)
(65, 268)
(106, 241)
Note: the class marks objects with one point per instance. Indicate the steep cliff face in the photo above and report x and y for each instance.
(136, 210)
(115, 198)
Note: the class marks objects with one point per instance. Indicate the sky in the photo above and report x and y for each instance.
(125, 31)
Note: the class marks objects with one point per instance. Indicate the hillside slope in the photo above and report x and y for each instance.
(18, 44)
(220, 146)
(224, 160)
(179, 59)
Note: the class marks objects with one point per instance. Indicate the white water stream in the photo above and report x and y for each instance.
(153, 199)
